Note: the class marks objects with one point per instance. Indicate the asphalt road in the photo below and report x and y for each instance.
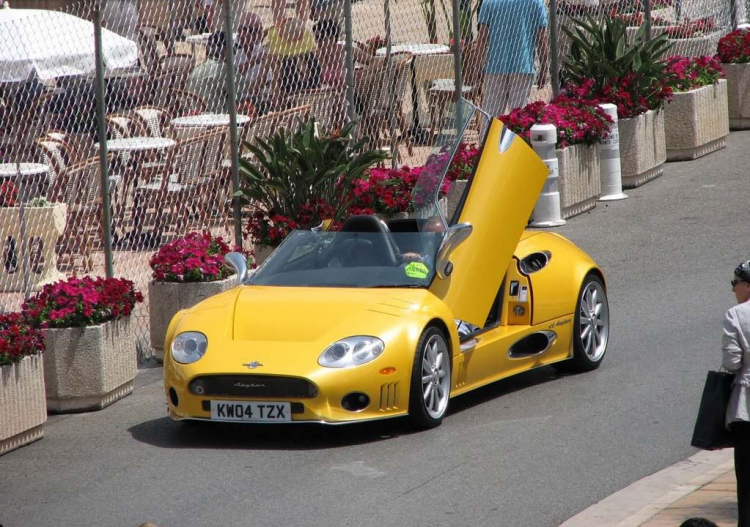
(527, 452)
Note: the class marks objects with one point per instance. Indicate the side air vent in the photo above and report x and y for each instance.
(533, 344)
(535, 262)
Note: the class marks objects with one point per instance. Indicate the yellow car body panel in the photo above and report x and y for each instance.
(555, 287)
(496, 197)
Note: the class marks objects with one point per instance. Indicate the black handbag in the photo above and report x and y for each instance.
(710, 432)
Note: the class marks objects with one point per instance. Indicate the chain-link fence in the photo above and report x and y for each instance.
(169, 109)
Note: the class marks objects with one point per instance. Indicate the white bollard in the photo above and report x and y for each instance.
(609, 159)
(547, 209)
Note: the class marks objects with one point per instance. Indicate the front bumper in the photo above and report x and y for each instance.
(388, 396)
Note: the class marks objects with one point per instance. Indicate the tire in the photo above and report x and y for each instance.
(430, 388)
(590, 327)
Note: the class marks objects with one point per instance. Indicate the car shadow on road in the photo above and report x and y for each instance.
(497, 389)
(165, 433)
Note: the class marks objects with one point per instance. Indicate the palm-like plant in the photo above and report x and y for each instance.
(604, 54)
(291, 169)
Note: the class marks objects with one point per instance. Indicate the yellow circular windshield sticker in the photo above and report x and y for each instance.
(416, 270)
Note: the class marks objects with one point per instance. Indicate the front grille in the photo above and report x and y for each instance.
(255, 386)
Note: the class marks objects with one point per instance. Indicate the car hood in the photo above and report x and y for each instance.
(306, 314)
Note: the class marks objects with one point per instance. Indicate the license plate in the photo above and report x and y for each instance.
(256, 412)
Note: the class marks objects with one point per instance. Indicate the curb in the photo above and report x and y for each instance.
(644, 499)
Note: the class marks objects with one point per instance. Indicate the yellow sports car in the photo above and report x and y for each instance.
(382, 320)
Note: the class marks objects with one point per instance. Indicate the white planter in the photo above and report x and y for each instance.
(22, 406)
(579, 179)
(89, 368)
(34, 244)
(643, 148)
(167, 298)
(261, 252)
(696, 46)
(697, 122)
(738, 95)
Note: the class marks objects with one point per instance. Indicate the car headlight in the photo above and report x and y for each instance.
(351, 351)
(188, 347)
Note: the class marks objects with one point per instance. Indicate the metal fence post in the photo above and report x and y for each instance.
(647, 16)
(554, 49)
(350, 110)
(734, 13)
(459, 81)
(233, 134)
(101, 112)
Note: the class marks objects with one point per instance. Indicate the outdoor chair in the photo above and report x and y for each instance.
(380, 97)
(79, 187)
(81, 146)
(122, 126)
(153, 120)
(328, 105)
(442, 91)
(181, 195)
(57, 154)
(180, 102)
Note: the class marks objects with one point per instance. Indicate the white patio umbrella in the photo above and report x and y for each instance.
(55, 44)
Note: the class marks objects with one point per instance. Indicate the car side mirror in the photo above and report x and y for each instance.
(454, 237)
(238, 262)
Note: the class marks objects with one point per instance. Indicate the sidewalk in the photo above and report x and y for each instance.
(701, 486)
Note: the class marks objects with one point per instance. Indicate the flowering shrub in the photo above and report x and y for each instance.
(196, 257)
(577, 121)
(270, 228)
(462, 166)
(8, 194)
(636, 18)
(689, 73)
(247, 108)
(79, 302)
(629, 93)
(384, 191)
(734, 48)
(692, 28)
(18, 338)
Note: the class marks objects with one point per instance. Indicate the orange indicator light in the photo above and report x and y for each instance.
(388, 371)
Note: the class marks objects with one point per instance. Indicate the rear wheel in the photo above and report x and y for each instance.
(591, 327)
(430, 380)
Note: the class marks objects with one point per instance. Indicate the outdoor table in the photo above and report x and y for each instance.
(207, 120)
(190, 125)
(22, 169)
(139, 146)
(29, 232)
(418, 133)
(27, 178)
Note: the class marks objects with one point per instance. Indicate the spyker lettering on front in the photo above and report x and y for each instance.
(388, 319)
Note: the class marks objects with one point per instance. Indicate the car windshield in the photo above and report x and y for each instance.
(367, 251)
(352, 259)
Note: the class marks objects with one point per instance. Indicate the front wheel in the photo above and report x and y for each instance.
(430, 380)
(591, 327)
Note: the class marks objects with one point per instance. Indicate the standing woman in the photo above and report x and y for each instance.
(736, 358)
